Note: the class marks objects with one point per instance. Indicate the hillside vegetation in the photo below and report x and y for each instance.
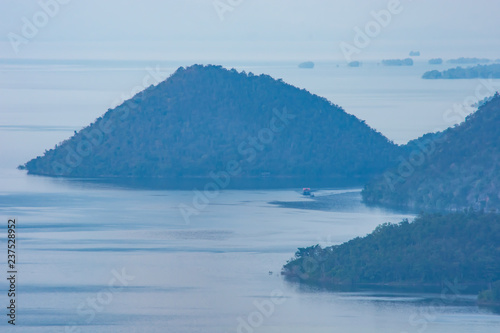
(453, 170)
(206, 119)
(431, 250)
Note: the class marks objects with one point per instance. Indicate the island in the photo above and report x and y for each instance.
(307, 65)
(354, 64)
(432, 250)
(465, 61)
(212, 122)
(435, 61)
(398, 62)
(414, 53)
(478, 71)
(447, 171)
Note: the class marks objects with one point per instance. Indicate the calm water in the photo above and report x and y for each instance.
(199, 275)
(217, 271)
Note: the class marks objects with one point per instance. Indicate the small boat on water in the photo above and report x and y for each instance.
(306, 191)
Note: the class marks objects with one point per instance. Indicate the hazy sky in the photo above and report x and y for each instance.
(249, 29)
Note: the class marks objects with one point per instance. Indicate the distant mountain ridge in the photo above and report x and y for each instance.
(452, 170)
(398, 62)
(206, 118)
(474, 72)
(463, 60)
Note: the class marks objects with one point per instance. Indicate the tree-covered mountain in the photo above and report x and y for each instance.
(431, 250)
(205, 119)
(451, 170)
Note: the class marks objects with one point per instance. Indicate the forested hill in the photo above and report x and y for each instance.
(432, 250)
(452, 170)
(205, 119)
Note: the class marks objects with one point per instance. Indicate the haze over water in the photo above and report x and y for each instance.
(204, 275)
(219, 270)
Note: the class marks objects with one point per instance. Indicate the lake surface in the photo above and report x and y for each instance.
(201, 274)
(98, 257)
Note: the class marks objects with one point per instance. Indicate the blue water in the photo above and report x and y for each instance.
(97, 257)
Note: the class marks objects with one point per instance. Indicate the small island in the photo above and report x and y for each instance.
(414, 53)
(307, 65)
(466, 61)
(354, 64)
(435, 61)
(398, 62)
(479, 71)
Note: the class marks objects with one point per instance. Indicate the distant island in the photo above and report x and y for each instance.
(414, 53)
(354, 64)
(307, 64)
(432, 250)
(435, 61)
(479, 71)
(466, 61)
(208, 121)
(447, 171)
(398, 62)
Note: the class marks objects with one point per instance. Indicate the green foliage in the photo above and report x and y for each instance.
(453, 170)
(202, 117)
(432, 249)
(490, 296)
